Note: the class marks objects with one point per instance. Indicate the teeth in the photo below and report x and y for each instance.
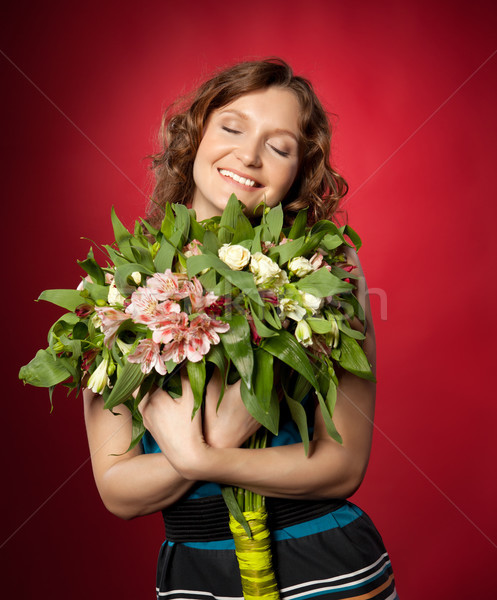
(242, 180)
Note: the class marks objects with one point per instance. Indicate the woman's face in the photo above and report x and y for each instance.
(250, 148)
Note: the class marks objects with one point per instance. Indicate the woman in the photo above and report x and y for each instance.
(257, 131)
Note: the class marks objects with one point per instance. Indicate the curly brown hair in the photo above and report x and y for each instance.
(317, 185)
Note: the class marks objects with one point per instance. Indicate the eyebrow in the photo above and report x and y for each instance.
(245, 117)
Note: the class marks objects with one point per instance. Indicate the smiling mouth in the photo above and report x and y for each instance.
(239, 179)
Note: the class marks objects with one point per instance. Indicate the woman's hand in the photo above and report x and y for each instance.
(184, 440)
(231, 424)
(170, 422)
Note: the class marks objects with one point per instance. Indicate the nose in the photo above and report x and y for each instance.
(248, 153)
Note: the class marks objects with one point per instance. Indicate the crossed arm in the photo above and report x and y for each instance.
(135, 484)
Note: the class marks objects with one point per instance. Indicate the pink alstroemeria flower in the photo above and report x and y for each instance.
(143, 307)
(192, 249)
(174, 334)
(208, 328)
(166, 286)
(162, 316)
(197, 298)
(111, 321)
(147, 355)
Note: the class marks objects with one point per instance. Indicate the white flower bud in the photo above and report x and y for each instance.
(292, 309)
(300, 266)
(115, 297)
(236, 257)
(311, 302)
(99, 378)
(136, 276)
(303, 333)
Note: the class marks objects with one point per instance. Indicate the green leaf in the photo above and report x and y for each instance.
(286, 251)
(262, 330)
(196, 375)
(269, 417)
(130, 379)
(240, 279)
(346, 328)
(230, 500)
(299, 416)
(120, 232)
(216, 356)
(286, 348)
(274, 220)
(94, 270)
(229, 220)
(263, 377)
(271, 316)
(167, 226)
(238, 346)
(197, 232)
(353, 359)
(208, 280)
(153, 232)
(97, 291)
(319, 325)
(353, 235)
(330, 426)
(143, 256)
(80, 331)
(322, 283)
(331, 242)
(68, 299)
(244, 232)
(122, 274)
(43, 370)
(122, 235)
(115, 257)
(331, 396)
(211, 243)
(182, 225)
(256, 241)
(298, 227)
(164, 257)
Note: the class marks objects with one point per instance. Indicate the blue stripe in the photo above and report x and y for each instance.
(338, 518)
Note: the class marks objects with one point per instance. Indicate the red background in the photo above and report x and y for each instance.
(416, 139)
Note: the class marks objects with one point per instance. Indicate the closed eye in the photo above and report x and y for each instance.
(280, 152)
(229, 130)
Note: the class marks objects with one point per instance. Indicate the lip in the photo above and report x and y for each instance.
(257, 186)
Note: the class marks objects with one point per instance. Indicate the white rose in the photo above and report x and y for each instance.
(303, 333)
(263, 268)
(236, 257)
(300, 266)
(292, 309)
(311, 302)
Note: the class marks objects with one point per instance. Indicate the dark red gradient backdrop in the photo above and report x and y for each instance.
(413, 85)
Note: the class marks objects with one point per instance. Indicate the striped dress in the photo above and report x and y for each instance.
(326, 549)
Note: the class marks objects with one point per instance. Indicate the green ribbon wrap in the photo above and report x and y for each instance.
(254, 556)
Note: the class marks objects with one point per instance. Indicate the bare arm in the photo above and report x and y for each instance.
(331, 470)
(134, 484)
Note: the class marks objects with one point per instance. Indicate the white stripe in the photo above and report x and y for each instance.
(317, 582)
(198, 593)
(338, 577)
(393, 595)
(334, 587)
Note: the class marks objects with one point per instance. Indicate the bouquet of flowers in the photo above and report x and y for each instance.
(250, 299)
